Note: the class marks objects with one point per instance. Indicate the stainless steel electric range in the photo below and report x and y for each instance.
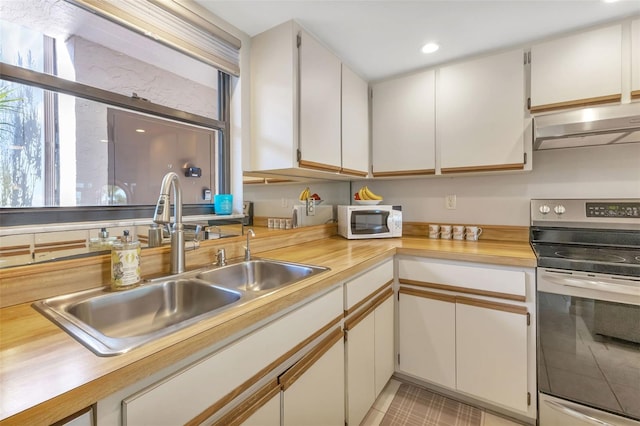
(588, 295)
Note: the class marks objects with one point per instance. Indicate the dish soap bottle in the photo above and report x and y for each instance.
(102, 242)
(125, 263)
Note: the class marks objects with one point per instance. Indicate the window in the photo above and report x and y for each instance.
(72, 83)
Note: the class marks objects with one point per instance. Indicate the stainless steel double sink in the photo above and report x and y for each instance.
(112, 323)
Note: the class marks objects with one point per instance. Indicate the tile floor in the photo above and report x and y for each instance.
(376, 413)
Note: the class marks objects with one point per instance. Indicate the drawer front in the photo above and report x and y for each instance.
(181, 397)
(477, 278)
(366, 284)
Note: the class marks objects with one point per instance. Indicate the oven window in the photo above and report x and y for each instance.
(589, 352)
(369, 222)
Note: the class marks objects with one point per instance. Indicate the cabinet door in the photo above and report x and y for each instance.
(635, 59)
(403, 125)
(317, 396)
(491, 355)
(481, 114)
(427, 336)
(267, 415)
(384, 344)
(578, 70)
(355, 124)
(360, 369)
(320, 100)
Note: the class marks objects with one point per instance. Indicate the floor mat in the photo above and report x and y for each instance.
(414, 406)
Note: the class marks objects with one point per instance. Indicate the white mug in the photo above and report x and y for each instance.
(473, 233)
(445, 232)
(458, 232)
(434, 231)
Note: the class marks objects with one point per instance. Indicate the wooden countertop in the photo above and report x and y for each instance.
(45, 375)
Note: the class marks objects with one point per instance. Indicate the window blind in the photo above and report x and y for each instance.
(179, 24)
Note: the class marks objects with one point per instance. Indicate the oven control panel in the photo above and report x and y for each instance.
(582, 213)
(631, 210)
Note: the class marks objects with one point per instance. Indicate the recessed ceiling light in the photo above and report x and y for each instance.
(609, 1)
(430, 47)
(140, 130)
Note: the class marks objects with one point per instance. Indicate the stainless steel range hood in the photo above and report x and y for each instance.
(605, 125)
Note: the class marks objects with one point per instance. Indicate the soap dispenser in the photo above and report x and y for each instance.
(125, 263)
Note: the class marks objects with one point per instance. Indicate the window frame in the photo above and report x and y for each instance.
(41, 215)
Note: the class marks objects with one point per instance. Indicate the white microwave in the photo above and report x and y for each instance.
(369, 221)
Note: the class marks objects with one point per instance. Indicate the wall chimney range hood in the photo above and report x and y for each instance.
(605, 125)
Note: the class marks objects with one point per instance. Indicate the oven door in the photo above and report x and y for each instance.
(589, 342)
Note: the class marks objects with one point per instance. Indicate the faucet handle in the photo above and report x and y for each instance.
(221, 257)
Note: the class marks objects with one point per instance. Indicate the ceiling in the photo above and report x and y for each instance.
(378, 39)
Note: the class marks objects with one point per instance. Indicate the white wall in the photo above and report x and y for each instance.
(588, 172)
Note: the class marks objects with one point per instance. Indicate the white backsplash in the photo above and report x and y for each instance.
(588, 172)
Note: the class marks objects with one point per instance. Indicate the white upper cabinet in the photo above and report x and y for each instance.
(320, 100)
(635, 59)
(481, 114)
(577, 70)
(403, 126)
(355, 124)
(310, 113)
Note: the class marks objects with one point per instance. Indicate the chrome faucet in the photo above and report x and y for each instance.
(247, 251)
(162, 216)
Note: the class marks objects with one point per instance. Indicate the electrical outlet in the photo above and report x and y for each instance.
(311, 207)
(450, 202)
(283, 202)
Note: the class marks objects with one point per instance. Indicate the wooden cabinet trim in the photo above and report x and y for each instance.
(352, 172)
(577, 103)
(364, 301)
(635, 94)
(318, 166)
(465, 290)
(216, 406)
(488, 168)
(290, 376)
(419, 172)
(355, 319)
(244, 410)
(521, 310)
(428, 294)
(91, 408)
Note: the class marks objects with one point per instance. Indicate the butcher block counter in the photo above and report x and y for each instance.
(46, 375)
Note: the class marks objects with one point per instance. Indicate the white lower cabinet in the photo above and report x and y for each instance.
(491, 352)
(267, 415)
(427, 336)
(313, 390)
(477, 339)
(369, 329)
(197, 392)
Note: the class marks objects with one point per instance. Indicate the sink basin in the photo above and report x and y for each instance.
(111, 323)
(259, 274)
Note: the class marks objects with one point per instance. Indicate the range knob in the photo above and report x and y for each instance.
(559, 209)
(544, 209)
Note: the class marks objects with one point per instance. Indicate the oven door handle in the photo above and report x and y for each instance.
(575, 413)
(586, 284)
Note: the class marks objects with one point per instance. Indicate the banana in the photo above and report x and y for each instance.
(304, 195)
(370, 195)
(362, 194)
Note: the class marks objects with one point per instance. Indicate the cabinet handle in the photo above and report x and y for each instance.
(457, 289)
(514, 309)
(617, 97)
(577, 414)
(428, 294)
(364, 301)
